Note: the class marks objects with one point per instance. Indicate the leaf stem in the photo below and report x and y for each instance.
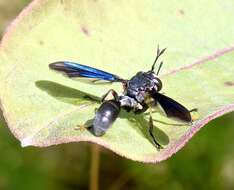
(94, 170)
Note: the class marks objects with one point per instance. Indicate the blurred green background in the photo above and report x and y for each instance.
(206, 162)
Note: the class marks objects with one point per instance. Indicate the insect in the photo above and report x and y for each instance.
(140, 93)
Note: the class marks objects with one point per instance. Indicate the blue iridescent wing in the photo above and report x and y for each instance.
(72, 70)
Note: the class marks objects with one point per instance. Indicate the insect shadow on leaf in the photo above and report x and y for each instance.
(142, 122)
(66, 94)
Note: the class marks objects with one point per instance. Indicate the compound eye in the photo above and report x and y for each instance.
(139, 73)
(154, 75)
(159, 84)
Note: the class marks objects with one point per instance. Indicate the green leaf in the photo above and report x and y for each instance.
(43, 108)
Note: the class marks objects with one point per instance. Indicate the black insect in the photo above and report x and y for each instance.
(140, 93)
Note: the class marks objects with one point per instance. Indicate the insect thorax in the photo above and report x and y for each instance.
(141, 84)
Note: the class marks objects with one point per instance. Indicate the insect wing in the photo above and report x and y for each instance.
(172, 108)
(77, 70)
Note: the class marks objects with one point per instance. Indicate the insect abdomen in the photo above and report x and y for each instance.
(105, 116)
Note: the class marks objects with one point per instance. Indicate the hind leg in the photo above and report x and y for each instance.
(151, 127)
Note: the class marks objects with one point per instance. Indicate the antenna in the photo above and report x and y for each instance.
(159, 53)
(161, 63)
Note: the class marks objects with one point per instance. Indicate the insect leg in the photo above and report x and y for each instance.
(82, 127)
(194, 116)
(151, 127)
(144, 108)
(112, 92)
(193, 110)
